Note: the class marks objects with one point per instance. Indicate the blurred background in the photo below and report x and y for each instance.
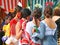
(8, 6)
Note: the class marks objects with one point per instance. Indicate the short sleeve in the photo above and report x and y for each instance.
(42, 30)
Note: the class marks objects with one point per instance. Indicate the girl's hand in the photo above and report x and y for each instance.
(24, 24)
(33, 30)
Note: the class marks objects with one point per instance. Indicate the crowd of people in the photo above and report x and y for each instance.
(25, 27)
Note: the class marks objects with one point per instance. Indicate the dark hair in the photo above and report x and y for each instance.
(8, 17)
(25, 12)
(48, 11)
(57, 12)
(17, 9)
(37, 13)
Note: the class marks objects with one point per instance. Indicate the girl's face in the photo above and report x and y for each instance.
(28, 18)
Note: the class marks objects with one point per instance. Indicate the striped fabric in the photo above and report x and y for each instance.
(11, 4)
(30, 42)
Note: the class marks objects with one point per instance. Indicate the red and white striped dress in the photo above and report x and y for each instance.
(28, 32)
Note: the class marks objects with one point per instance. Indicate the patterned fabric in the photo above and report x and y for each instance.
(58, 28)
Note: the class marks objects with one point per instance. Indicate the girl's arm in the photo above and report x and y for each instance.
(18, 30)
(42, 30)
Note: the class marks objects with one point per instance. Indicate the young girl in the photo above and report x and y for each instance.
(20, 26)
(34, 23)
(47, 28)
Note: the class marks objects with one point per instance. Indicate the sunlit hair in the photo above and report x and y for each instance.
(56, 11)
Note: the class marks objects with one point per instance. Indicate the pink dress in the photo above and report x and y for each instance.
(23, 37)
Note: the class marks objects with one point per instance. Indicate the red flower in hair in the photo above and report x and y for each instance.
(49, 3)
